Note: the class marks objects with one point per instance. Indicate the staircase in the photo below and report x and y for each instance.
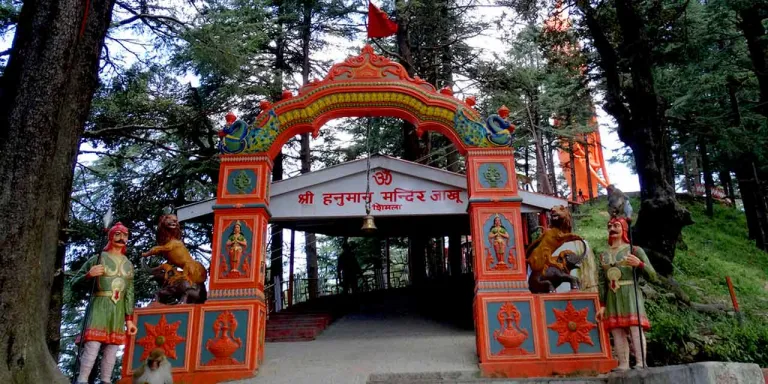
(304, 321)
(296, 325)
(446, 299)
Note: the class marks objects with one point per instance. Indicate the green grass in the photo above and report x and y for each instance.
(712, 249)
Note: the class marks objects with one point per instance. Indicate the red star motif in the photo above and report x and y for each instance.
(162, 335)
(572, 326)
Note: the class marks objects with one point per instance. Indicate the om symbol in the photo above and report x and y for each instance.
(383, 177)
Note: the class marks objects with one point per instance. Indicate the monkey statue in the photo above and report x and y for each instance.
(618, 203)
(159, 371)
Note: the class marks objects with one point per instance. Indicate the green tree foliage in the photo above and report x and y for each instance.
(152, 147)
(685, 81)
(548, 97)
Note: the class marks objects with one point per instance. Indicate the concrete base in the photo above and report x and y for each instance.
(699, 373)
(469, 377)
(548, 368)
(711, 372)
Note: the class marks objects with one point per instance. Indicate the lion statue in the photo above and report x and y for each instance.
(549, 271)
(185, 286)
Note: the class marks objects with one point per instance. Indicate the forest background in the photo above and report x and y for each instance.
(683, 84)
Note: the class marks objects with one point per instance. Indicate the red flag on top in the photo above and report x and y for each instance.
(379, 24)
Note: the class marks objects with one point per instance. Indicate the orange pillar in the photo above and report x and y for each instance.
(204, 353)
(519, 334)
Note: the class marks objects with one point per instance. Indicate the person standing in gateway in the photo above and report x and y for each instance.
(349, 269)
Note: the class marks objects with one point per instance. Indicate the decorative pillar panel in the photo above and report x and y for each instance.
(244, 181)
(520, 334)
(571, 327)
(229, 336)
(495, 216)
(498, 241)
(238, 250)
(491, 174)
(510, 332)
(161, 327)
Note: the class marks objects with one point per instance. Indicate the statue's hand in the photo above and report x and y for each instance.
(600, 314)
(633, 260)
(148, 253)
(131, 327)
(96, 270)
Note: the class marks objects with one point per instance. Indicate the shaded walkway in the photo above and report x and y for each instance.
(360, 344)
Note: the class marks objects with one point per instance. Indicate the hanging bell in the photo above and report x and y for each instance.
(368, 224)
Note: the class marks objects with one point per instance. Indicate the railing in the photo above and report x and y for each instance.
(373, 277)
(367, 282)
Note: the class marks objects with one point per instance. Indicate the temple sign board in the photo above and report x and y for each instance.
(398, 188)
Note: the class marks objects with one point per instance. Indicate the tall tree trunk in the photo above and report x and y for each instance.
(641, 126)
(526, 164)
(751, 24)
(53, 330)
(454, 254)
(588, 168)
(727, 182)
(541, 173)
(54, 57)
(551, 166)
(416, 259)
(276, 246)
(709, 184)
(411, 146)
(572, 155)
(755, 207)
(688, 178)
(453, 161)
(754, 204)
(310, 241)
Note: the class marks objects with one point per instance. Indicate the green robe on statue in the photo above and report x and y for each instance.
(617, 288)
(112, 302)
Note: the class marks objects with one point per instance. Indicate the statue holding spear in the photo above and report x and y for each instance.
(622, 304)
(110, 309)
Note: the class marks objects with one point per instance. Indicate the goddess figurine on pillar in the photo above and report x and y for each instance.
(236, 244)
(622, 304)
(499, 237)
(112, 305)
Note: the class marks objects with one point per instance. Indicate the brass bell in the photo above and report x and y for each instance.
(368, 224)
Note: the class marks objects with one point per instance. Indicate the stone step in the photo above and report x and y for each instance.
(291, 326)
(287, 339)
(468, 377)
(697, 373)
(295, 325)
(299, 319)
(294, 330)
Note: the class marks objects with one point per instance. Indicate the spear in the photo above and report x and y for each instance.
(637, 293)
(106, 221)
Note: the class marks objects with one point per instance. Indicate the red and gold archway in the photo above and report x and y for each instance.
(361, 86)
(515, 335)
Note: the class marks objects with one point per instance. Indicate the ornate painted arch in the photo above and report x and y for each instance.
(366, 85)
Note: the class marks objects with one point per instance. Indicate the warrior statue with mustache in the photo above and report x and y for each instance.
(621, 311)
(112, 305)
